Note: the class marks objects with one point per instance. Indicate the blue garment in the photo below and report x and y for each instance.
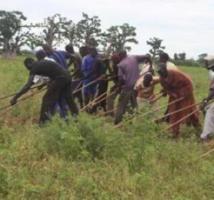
(88, 67)
(88, 71)
(61, 58)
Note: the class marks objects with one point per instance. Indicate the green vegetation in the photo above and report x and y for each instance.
(90, 159)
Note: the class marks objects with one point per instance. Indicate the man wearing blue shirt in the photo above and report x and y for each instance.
(89, 72)
(60, 57)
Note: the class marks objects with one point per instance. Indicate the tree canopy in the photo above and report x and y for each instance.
(11, 35)
(15, 33)
(156, 46)
(118, 38)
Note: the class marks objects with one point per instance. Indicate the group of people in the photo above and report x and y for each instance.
(133, 78)
(86, 81)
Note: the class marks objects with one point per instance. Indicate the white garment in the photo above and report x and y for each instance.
(50, 59)
(211, 75)
(208, 122)
(40, 79)
(139, 83)
(145, 68)
(210, 60)
(169, 65)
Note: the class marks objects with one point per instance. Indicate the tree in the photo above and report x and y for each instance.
(182, 56)
(19, 40)
(201, 58)
(53, 29)
(88, 31)
(156, 49)
(175, 56)
(34, 40)
(69, 32)
(11, 35)
(118, 38)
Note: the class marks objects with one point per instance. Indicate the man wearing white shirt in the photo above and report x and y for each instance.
(208, 130)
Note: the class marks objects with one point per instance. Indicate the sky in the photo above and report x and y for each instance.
(184, 25)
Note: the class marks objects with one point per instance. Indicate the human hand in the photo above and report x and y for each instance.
(203, 104)
(13, 101)
(163, 92)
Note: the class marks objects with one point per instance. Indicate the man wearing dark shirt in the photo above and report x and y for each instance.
(114, 90)
(60, 57)
(77, 75)
(60, 86)
(100, 69)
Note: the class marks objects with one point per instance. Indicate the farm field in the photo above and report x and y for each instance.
(90, 159)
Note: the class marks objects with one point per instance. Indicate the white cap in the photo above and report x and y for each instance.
(210, 60)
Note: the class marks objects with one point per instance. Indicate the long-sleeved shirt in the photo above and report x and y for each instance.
(87, 68)
(212, 85)
(61, 58)
(128, 72)
(45, 68)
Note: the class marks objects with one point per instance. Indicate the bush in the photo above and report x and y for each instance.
(63, 139)
(86, 188)
(91, 159)
(84, 139)
(189, 62)
(3, 183)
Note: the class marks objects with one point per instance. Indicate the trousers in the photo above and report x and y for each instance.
(208, 122)
(126, 96)
(60, 88)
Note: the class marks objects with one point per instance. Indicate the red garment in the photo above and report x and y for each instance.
(178, 85)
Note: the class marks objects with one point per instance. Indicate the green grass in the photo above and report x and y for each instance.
(90, 159)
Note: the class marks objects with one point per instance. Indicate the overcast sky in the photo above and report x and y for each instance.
(184, 25)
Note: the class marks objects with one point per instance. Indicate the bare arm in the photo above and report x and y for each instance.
(206, 100)
(23, 90)
(156, 80)
(210, 95)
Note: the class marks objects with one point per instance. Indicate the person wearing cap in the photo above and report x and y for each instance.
(208, 129)
(178, 86)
